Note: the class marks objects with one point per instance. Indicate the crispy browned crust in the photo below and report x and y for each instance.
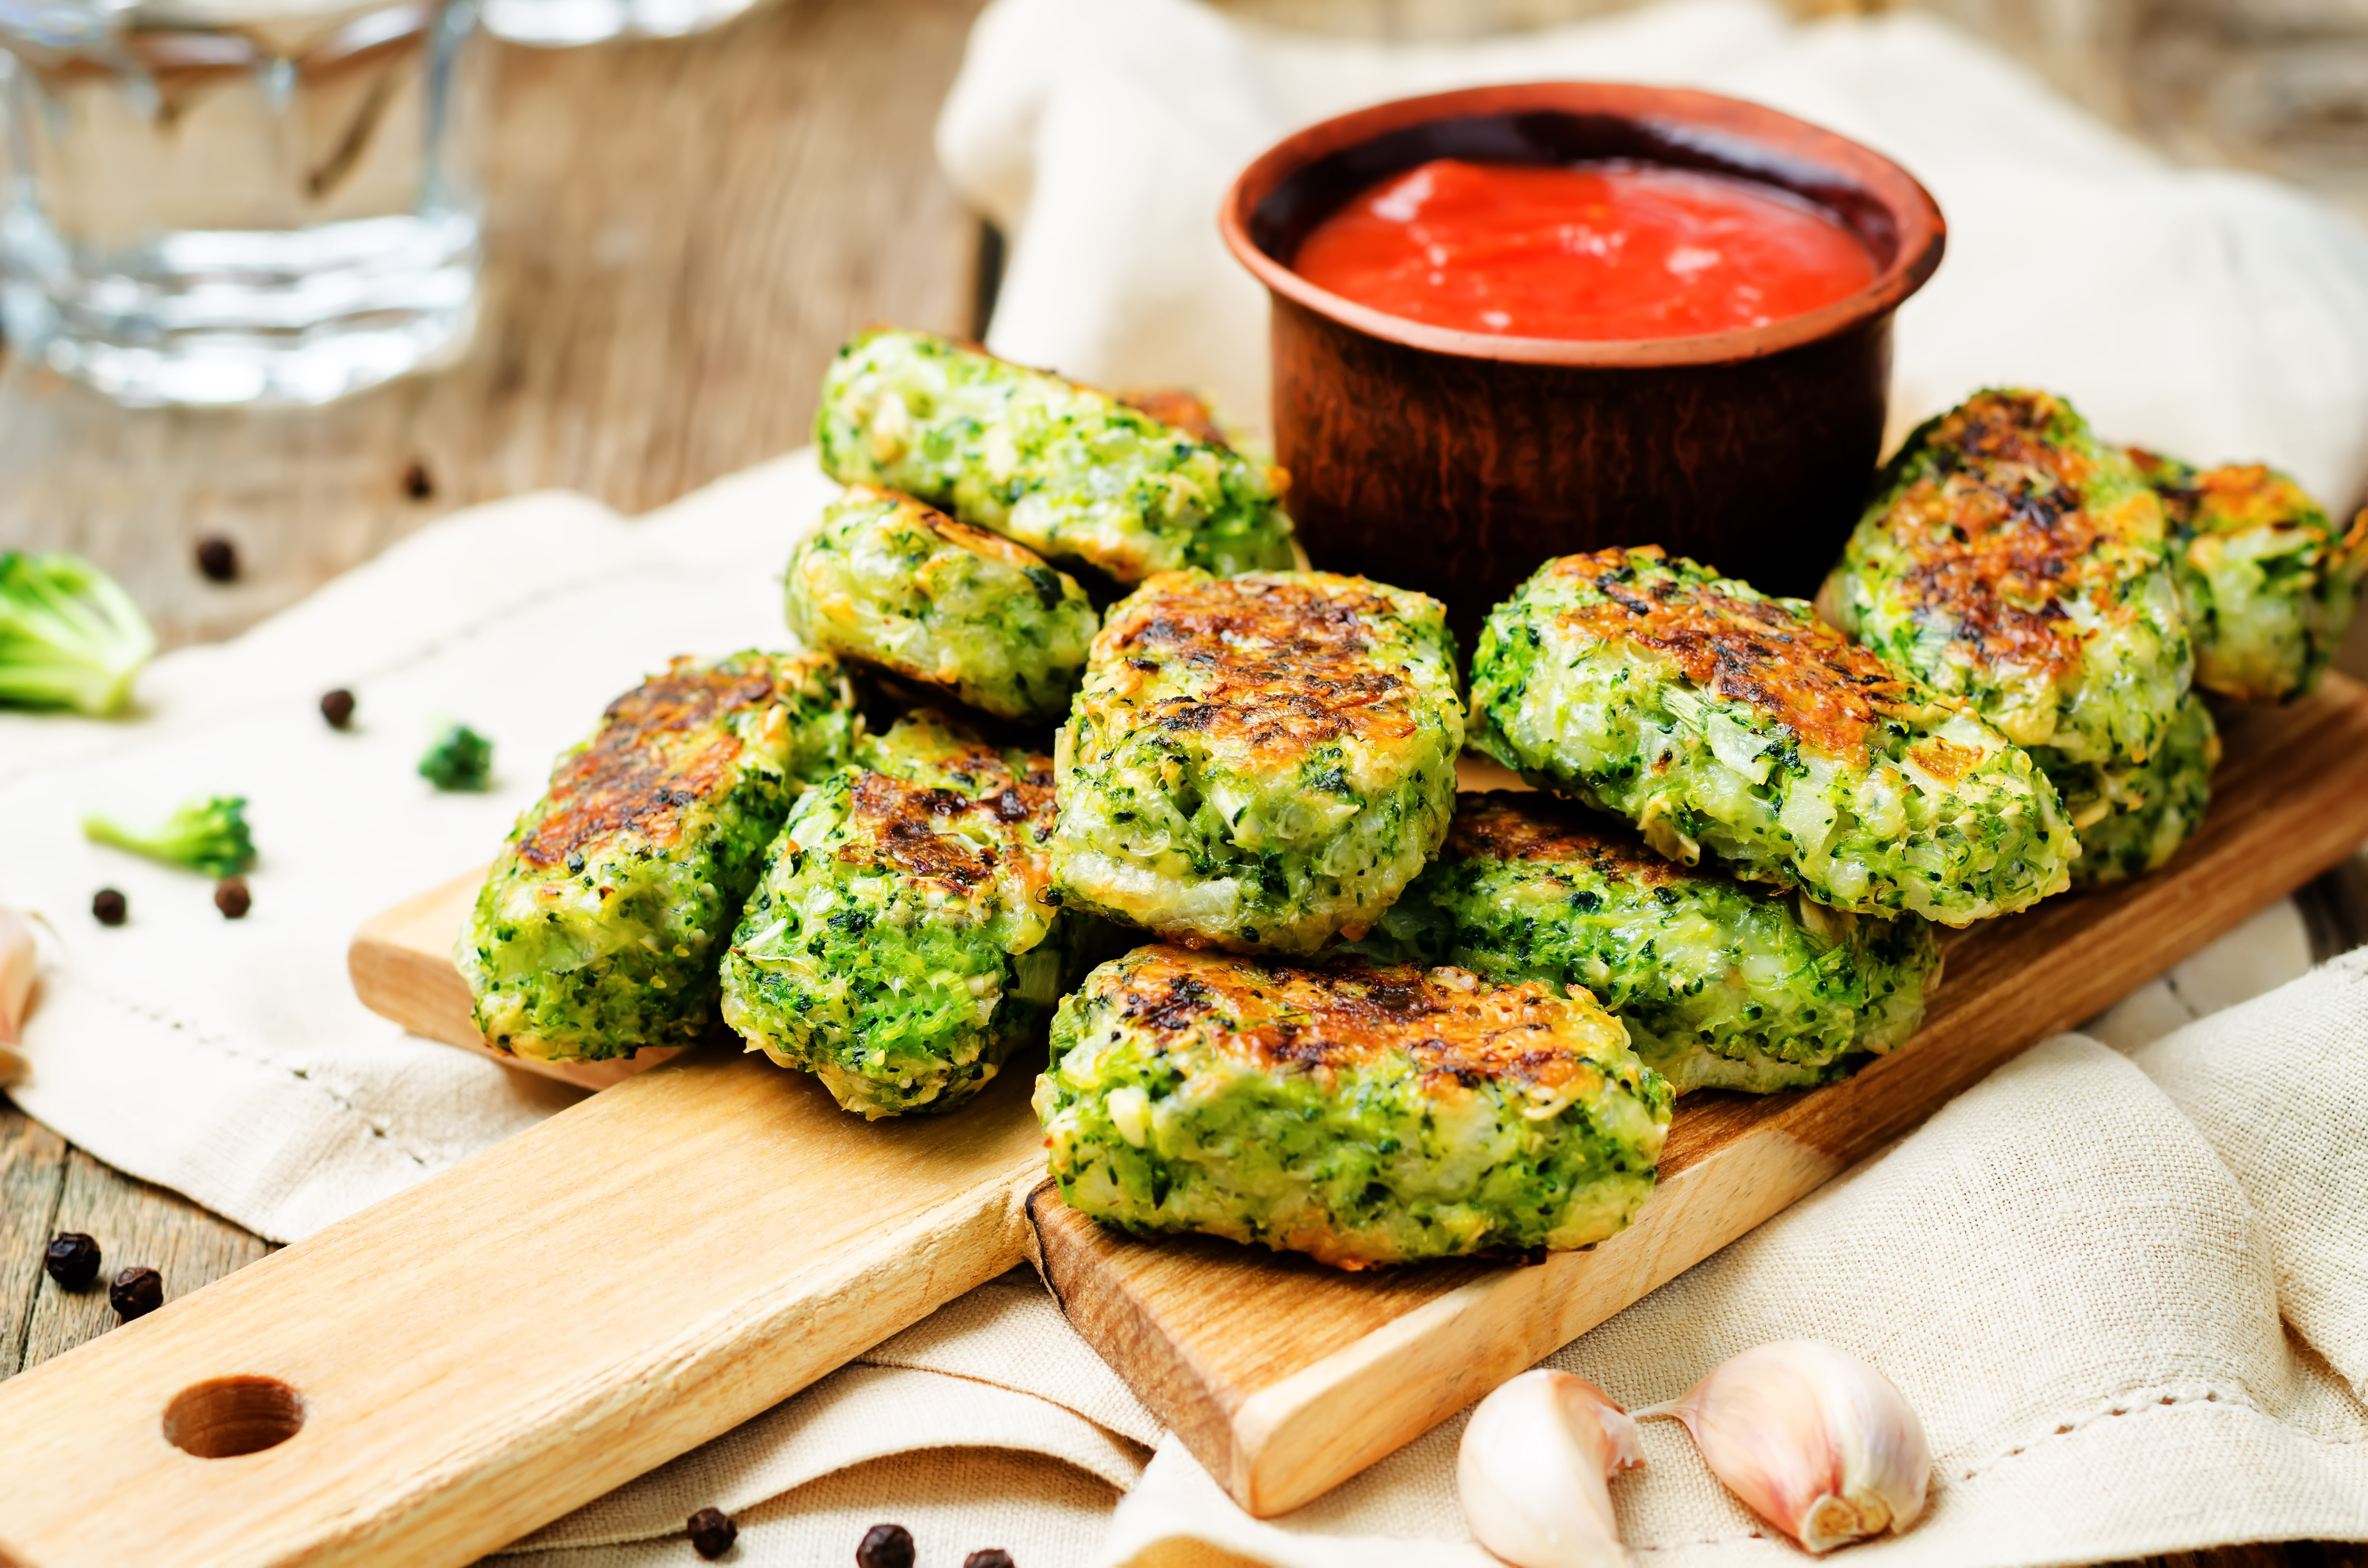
(978, 541)
(1993, 541)
(1348, 1016)
(2245, 497)
(2237, 497)
(1826, 689)
(954, 531)
(1177, 408)
(1281, 668)
(1505, 825)
(661, 748)
(899, 822)
(2179, 501)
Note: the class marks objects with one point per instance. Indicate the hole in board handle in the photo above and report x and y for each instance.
(225, 1417)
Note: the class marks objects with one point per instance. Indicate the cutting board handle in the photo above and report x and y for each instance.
(468, 1360)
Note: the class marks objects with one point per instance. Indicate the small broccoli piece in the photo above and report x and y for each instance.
(460, 759)
(69, 636)
(204, 836)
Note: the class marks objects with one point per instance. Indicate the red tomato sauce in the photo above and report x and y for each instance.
(1595, 250)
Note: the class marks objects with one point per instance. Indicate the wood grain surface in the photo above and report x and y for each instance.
(508, 1340)
(1285, 1378)
(46, 1186)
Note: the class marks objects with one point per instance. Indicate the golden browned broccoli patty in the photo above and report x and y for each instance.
(1716, 719)
(597, 928)
(2013, 561)
(899, 945)
(1362, 1114)
(892, 582)
(1723, 984)
(1258, 763)
(1073, 474)
(2269, 580)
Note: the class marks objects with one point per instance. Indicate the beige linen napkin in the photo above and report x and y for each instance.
(947, 1429)
(230, 1060)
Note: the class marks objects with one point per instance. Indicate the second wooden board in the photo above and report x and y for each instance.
(1285, 1378)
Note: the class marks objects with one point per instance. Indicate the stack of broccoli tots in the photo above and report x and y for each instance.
(1191, 811)
(2083, 598)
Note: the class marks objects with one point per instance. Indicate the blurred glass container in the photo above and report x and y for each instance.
(561, 23)
(215, 202)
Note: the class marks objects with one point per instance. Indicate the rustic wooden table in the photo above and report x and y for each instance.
(681, 233)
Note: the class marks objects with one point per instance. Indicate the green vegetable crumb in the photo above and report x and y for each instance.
(69, 636)
(208, 835)
(460, 759)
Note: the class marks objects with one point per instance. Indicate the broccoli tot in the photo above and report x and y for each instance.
(898, 946)
(1723, 984)
(1074, 474)
(1362, 1114)
(890, 581)
(2269, 581)
(1258, 763)
(69, 636)
(2131, 819)
(597, 930)
(1717, 719)
(208, 835)
(460, 759)
(2015, 562)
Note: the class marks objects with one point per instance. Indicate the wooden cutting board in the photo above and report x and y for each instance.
(478, 1356)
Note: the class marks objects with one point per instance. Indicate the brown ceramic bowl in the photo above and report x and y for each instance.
(1456, 461)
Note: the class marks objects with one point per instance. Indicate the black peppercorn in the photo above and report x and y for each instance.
(107, 907)
(886, 1546)
(337, 708)
(217, 559)
(232, 899)
(992, 1557)
(137, 1291)
(72, 1260)
(416, 482)
(712, 1533)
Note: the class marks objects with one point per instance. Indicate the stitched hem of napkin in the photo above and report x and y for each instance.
(219, 1046)
(2129, 1404)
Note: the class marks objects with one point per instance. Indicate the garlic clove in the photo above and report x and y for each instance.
(1818, 1443)
(19, 959)
(1532, 1469)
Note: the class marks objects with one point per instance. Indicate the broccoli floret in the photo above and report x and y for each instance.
(69, 636)
(460, 759)
(203, 836)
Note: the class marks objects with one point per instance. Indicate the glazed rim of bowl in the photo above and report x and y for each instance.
(1310, 174)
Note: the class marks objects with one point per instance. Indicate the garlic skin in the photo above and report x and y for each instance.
(1533, 1470)
(18, 958)
(1818, 1443)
